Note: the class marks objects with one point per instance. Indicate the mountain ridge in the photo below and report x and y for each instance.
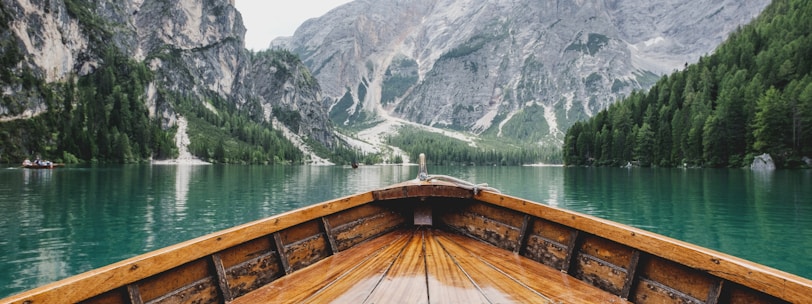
(194, 53)
(484, 66)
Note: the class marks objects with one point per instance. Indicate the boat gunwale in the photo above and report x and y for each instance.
(780, 284)
(89, 284)
(100, 280)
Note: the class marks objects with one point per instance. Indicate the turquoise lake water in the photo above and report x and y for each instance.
(58, 223)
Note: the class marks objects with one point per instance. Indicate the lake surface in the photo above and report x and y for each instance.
(58, 223)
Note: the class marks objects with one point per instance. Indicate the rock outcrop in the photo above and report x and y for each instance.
(523, 69)
(763, 162)
(195, 48)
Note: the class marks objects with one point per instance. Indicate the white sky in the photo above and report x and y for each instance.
(266, 20)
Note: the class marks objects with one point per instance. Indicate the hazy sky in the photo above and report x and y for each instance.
(266, 20)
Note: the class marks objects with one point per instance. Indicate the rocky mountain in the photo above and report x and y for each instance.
(194, 48)
(518, 69)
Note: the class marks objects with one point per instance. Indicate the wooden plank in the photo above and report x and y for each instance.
(222, 278)
(715, 292)
(572, 250)
(350, 234)
(350, 274)
(254, 273)
(357, 284)
(280, 250)
(522, 234)
(328, 231)
(300, 232)
(511, 278)
(354, 214)
(307, 251)
(175, 280)
(98, 281)
(115, 296)
(666, 277)
(200, 292)
(603, 263)
(406, 279)
(447, 283)
(251, 265)
(483, 228)
(631, 271)
(135, 294)
(497, 286)
(550, 243)
(606, 250)
(498, 214)
(246, 251)
(424, 190)
(786, 286)
(737, 294)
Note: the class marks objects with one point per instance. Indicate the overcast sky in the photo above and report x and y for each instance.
(266, 20)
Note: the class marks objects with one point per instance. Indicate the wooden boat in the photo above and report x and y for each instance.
(27, 164)
(50, 166)
(429, 241)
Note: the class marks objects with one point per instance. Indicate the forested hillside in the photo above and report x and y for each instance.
(443, 150)
(99, 117)
(111, 81)
(752, 96)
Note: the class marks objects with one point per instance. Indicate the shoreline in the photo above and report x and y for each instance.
(179, 162)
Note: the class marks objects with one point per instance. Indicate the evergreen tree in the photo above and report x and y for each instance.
(751, 96)
(772, 124)
(644, 145)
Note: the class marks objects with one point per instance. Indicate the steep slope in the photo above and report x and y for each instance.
(520, 69)
(194, 51)
(752, 96)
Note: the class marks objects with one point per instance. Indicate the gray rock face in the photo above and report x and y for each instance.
(763, 162)
(286, 84)
(509, 68)
(195, 47)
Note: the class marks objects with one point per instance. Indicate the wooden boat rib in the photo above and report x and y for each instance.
(429, 242)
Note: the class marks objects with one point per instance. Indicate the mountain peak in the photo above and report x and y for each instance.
(520, 69)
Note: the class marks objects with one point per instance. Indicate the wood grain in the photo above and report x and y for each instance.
(335, 276)
(506, 277)
(405, 282)
(175, 273)
(447, 282)
(784, 285)
(98, 281)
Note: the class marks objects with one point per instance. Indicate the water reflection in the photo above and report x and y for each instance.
(36, 177)
(183, 174)
(754, 215)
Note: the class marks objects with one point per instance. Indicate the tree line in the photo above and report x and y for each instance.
(97, 117)
(234, 135)
(752, 96)
(443, 150)
(102, 117)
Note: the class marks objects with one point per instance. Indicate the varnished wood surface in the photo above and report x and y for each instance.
(484, 248)
(426, 265)
(786, 286)
(117, 275)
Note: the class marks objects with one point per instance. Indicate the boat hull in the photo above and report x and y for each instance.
(52, 166)
(609, 261)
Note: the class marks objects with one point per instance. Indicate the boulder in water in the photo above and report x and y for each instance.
(763, 162)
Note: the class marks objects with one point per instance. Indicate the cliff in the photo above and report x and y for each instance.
(193, 49)
(519, 69)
